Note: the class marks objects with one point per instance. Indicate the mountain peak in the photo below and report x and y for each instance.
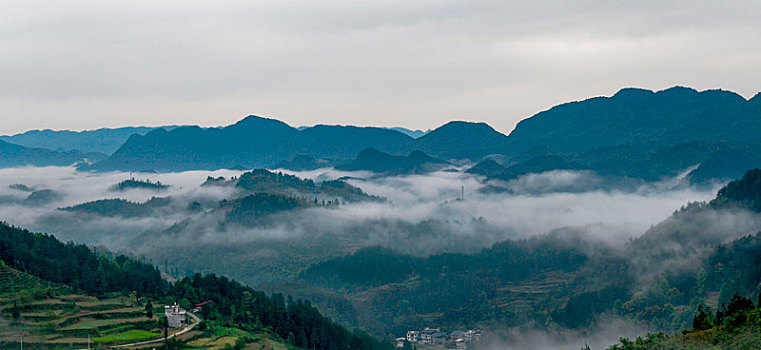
(632, 92)
(255, 120)
(461, 124)
(678, 90)
(369, 152)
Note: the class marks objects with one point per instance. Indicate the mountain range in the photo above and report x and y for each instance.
(635, 133)
(642, 118)
(104, 140)
(376, 161)
(12, 155)
(259, 142)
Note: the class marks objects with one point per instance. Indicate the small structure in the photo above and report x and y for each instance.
(198, 306)
(426, 336)
(413, 336)
(175, 316)
(439, 337)
(472, 335)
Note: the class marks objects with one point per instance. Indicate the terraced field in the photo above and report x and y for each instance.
(224, 337)
(51, 316)
(522, 296)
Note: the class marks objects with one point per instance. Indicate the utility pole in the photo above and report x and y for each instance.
(22, 342)
(88, 342)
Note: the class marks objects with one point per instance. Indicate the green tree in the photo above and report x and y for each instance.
(149, 309)
(15, 311)
(703, 318)
(700, 283)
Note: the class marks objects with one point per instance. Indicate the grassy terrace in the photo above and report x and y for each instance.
(130, 335)
(54, 317)
(50, 315)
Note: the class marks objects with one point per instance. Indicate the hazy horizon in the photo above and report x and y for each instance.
(84, 65)
(413, 129)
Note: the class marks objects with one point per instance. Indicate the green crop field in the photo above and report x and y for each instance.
(92, 324)
(131, 335)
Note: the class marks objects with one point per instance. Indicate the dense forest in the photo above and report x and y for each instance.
(262, 180)
(637, 134)
(736, 325)
(97, 273)
(371, 159)
(120, 207)
(386, 284)
(133, 183)
(563, 279)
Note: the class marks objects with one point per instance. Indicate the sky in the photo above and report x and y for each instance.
(417, 64)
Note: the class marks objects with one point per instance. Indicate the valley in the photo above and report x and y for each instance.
(388, 240)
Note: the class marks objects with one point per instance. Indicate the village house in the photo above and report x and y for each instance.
(413, 336)
(426, 336)
(460, 340)
(175, 316)
(400, 342)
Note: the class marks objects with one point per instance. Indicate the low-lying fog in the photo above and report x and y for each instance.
(423, 215)
(531, 207)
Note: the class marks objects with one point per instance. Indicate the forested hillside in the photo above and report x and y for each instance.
(563, 279)
(104, 140)
(12, 155)
(642, 118)
(258, 142)
(231, 304)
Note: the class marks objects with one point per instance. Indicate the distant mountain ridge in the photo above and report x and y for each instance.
(371, 159)
(103, 140)
(258, 142)
(643, 118)
(12, 155)
(636, 133)
(409, 132)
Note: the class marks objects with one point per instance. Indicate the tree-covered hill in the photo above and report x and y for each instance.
(642, 134)
(139, 184)
(104, 140)
(564, 280)
(462, 140)
(635, 133)
(642, 118)
(251, 142)
(121, 207)
(376, 161)
(257, 142)
(745, 192)
(707, 161)
(12, 155)
(262, 180)
(230, 303)
(390, 292)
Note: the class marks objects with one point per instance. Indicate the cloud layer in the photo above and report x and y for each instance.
(418, 64)
(422, 215)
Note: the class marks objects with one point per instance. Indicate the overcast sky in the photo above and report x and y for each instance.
(418, 64)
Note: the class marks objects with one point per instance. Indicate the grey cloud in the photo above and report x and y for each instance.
(416, 64)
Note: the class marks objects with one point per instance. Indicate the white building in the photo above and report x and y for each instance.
(175, 316)
(413, 336)
(426, 336)
(400, 342)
